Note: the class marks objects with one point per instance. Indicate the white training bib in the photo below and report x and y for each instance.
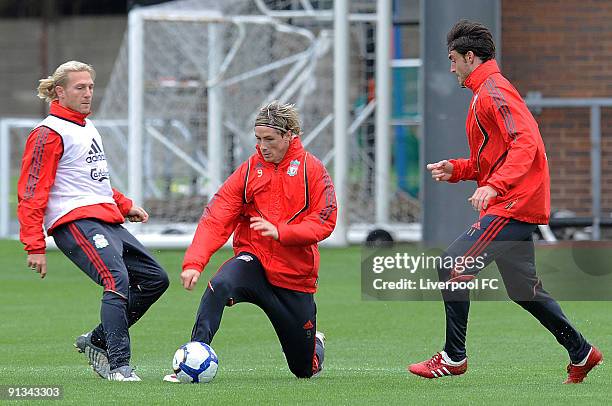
(82, 177)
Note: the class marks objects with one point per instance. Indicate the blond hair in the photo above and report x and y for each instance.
(46, 87)
(282, 117)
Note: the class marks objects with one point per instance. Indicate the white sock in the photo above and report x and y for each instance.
(583, 362)
(449, 361)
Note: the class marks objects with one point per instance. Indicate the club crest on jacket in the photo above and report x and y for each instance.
(293, 167)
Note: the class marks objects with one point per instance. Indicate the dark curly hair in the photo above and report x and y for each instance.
(471, 36)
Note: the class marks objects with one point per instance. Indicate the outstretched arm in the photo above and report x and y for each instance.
(441, 171)
(215, 227)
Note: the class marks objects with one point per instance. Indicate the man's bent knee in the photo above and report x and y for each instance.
(304, 370)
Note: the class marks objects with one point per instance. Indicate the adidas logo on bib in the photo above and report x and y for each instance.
(95, 153)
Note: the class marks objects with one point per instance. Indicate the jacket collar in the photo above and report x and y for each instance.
(66, 113)
(295, 150)
(480, 74)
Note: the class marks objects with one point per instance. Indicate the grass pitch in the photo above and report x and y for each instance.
(512, 359)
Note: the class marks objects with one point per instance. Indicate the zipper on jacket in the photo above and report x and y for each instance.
(272, 242)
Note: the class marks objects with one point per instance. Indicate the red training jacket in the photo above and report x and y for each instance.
(297, 196)
(506, 149)
(43, 151)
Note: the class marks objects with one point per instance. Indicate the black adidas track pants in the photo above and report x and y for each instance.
(131, 278)
(292, 313)
(509, 243)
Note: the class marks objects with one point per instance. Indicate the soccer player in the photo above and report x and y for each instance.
(278, 204)
(508, 162)
(64, 185)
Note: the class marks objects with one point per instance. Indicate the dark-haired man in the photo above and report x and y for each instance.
(508, 162)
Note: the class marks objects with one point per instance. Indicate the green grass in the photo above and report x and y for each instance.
(512, 358)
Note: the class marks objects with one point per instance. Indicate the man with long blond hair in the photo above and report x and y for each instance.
(278, 204)
(65, 187)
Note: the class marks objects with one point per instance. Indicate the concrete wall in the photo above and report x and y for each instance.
(95, 40)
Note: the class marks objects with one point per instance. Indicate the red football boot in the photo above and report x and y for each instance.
(577, 373)
(436, 367)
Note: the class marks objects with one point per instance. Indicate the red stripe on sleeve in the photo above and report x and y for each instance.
(42, 153)
(36, 162)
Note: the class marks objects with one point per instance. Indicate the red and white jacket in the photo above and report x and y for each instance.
(296, 195)
(506, 149)
(42, 159)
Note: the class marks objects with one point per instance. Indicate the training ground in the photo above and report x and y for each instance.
(512, 359)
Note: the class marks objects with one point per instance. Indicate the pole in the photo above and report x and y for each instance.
(215, 109)
(135, 105)
(596, 170)
(341, 115)
(383, 110)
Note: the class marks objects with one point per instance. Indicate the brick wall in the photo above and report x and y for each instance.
(564, 49)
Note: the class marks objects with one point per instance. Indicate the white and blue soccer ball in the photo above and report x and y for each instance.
(195, 362)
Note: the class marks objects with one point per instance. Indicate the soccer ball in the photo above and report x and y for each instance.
(195, 362)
